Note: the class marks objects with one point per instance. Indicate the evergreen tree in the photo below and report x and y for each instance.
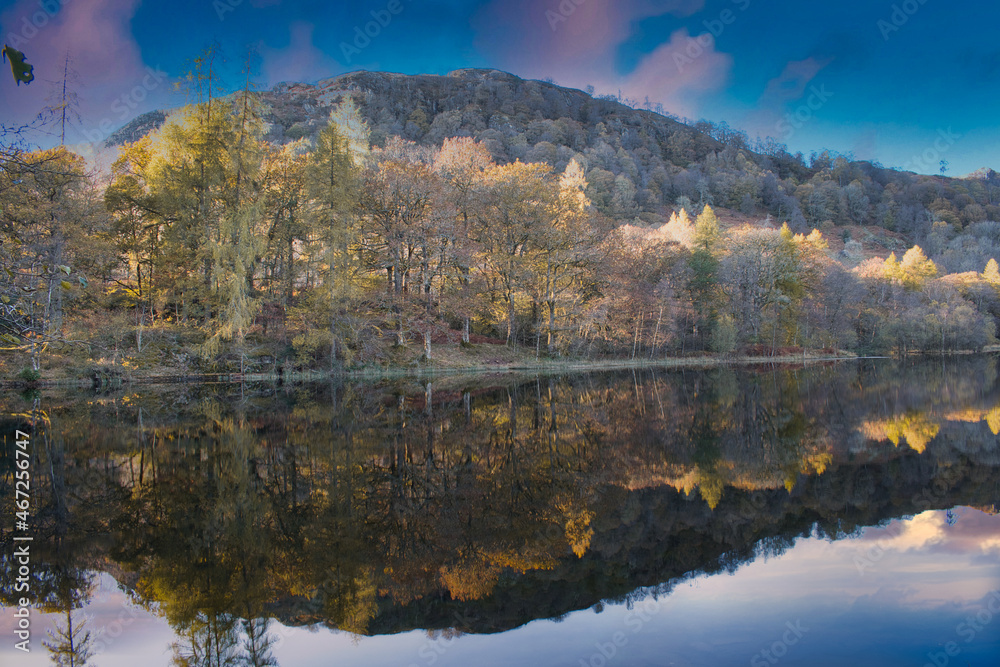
(330, 185)
(704, 264)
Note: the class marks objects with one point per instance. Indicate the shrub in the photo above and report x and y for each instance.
(29, 375)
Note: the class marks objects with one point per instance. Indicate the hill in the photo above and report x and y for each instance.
(641, 165)
(371, 218)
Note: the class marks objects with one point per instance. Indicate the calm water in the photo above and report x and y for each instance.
(839, 515)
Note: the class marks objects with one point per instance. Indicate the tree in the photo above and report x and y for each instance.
(462, 162)
(331, 179)
(209, 640)
(704, 264)
(992, 273)
(566, 249)
(136, 225)
(187, 177)
(67, 109)
(857, 202)
(257, 644)
(706, 230)
(395, 200)
(285, 216)
(48, 221)
(353, 129)
(70, 644)
(759, 275)
(913, 271)
(239, 243)
(516, 201)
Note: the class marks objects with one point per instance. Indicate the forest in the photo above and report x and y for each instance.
(376, 220)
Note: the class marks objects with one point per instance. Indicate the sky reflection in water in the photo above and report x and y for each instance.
(887, 597)
(666, 518)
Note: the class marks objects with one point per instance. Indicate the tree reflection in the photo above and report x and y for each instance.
(480, 507)
(69, 643)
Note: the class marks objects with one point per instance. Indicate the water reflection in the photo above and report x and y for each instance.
(472, 507)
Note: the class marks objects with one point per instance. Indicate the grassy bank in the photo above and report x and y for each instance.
(447, 360)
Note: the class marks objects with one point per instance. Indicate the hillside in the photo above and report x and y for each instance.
(385, 220)
(641, 164)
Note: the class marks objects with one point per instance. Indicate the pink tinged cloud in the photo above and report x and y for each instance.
(573, 41)
(301, 61)
(791, 84)
(679, 72)
(97, 36)
(558, 37)
(782, 94)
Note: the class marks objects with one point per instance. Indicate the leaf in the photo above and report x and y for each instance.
(5, 298)
(66, 285)
(65, 269)
(21, 70)
(83, 281)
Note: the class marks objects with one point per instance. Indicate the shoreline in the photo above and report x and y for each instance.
(541, 367)
(525, 366)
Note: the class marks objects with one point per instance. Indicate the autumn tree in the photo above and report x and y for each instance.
(395, 202)
(331, 178)
(136, 223)
(51, 230)
(516, 203)
(239, 243)
(566, 250)
(462, 162)
(913, 271)
(751, 274)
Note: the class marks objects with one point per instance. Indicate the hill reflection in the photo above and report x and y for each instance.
(477, 507)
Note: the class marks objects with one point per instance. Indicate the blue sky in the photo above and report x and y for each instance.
(882, 80)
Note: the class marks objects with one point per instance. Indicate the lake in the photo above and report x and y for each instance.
(840, 514)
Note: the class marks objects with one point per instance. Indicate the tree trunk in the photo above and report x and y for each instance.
(290, 278)
(552, 325)
(635, 342)
(510, 318)
(656, 334)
